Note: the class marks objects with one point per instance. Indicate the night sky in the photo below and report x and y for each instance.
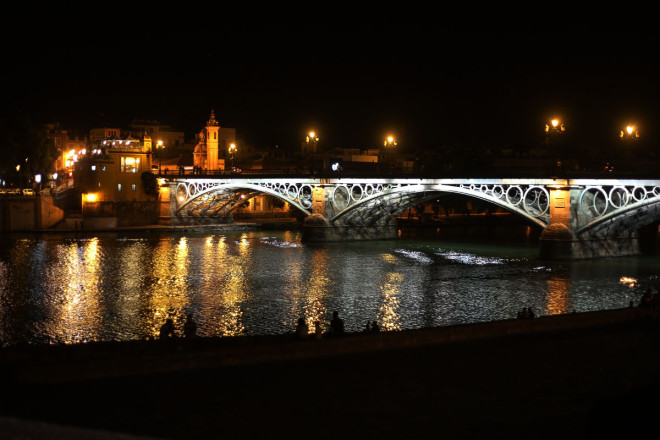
(433, 79)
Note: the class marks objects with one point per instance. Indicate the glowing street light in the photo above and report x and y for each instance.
(159, 148)
(630, 132)
(232, 151)
(390, 141)
(555, 126)
(311, 144)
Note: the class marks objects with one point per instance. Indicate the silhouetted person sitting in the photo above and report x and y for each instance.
(318, 332)
(190, 327)
(336, 325)
(374, 327)
(302, 329)
(167, 330)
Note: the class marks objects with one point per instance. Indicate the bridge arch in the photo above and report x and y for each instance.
(191, 195)
(627, 218)
(526, 202)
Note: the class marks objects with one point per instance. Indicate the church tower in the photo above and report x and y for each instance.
(212, 129)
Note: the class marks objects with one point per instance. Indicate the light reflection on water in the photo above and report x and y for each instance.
(111, 287)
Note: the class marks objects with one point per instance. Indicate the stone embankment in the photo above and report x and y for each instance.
(586, 375)
(65, 363)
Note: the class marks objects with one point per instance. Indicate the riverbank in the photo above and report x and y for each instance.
(568, 376)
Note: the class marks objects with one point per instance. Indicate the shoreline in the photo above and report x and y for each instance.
(61, 363)
(566, 376)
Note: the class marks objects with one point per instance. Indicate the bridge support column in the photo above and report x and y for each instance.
(558, 241)
(317, 228)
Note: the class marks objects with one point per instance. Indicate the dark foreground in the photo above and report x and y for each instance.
(572, 376)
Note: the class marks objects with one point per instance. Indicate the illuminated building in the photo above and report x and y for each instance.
(109, 174)
(213, 142)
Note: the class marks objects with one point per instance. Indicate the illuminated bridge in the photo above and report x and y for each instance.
(580, 218)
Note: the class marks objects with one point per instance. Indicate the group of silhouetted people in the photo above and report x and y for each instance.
(335, 330)
(189, 328)
(526, 313)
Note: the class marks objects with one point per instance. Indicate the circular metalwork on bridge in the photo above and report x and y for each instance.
(536, 201)
(344, 195)
(596, 201)
(341, 197)
(619, 196)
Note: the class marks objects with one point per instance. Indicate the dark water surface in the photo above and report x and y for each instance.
(122, 286)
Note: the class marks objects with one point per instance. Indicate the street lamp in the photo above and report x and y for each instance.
(390, 141)
(159, 149)
(555, 126)
(311, 143)
(232, 151)
(630, 132)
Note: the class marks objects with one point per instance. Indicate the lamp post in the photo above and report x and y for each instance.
(159, 149)
(390, 142)
(554, 131)
(232, 151)
(311, 143)
(630, 132)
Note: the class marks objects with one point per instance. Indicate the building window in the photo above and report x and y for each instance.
(103, 169)
(133, 187)
(119, 187)
(130, 164)
(93, 167)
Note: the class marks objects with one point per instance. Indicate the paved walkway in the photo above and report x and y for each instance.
(572, 376)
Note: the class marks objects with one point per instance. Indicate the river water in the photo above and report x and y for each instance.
(122, 286)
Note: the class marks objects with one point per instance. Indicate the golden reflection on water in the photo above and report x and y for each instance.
(310, 296)
(388, 318)
(225, 283)
(557, 296)
(315, 309)
(73, 290)
(168, 295)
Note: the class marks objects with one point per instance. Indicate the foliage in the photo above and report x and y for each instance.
(150, 183)
(24, 143)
